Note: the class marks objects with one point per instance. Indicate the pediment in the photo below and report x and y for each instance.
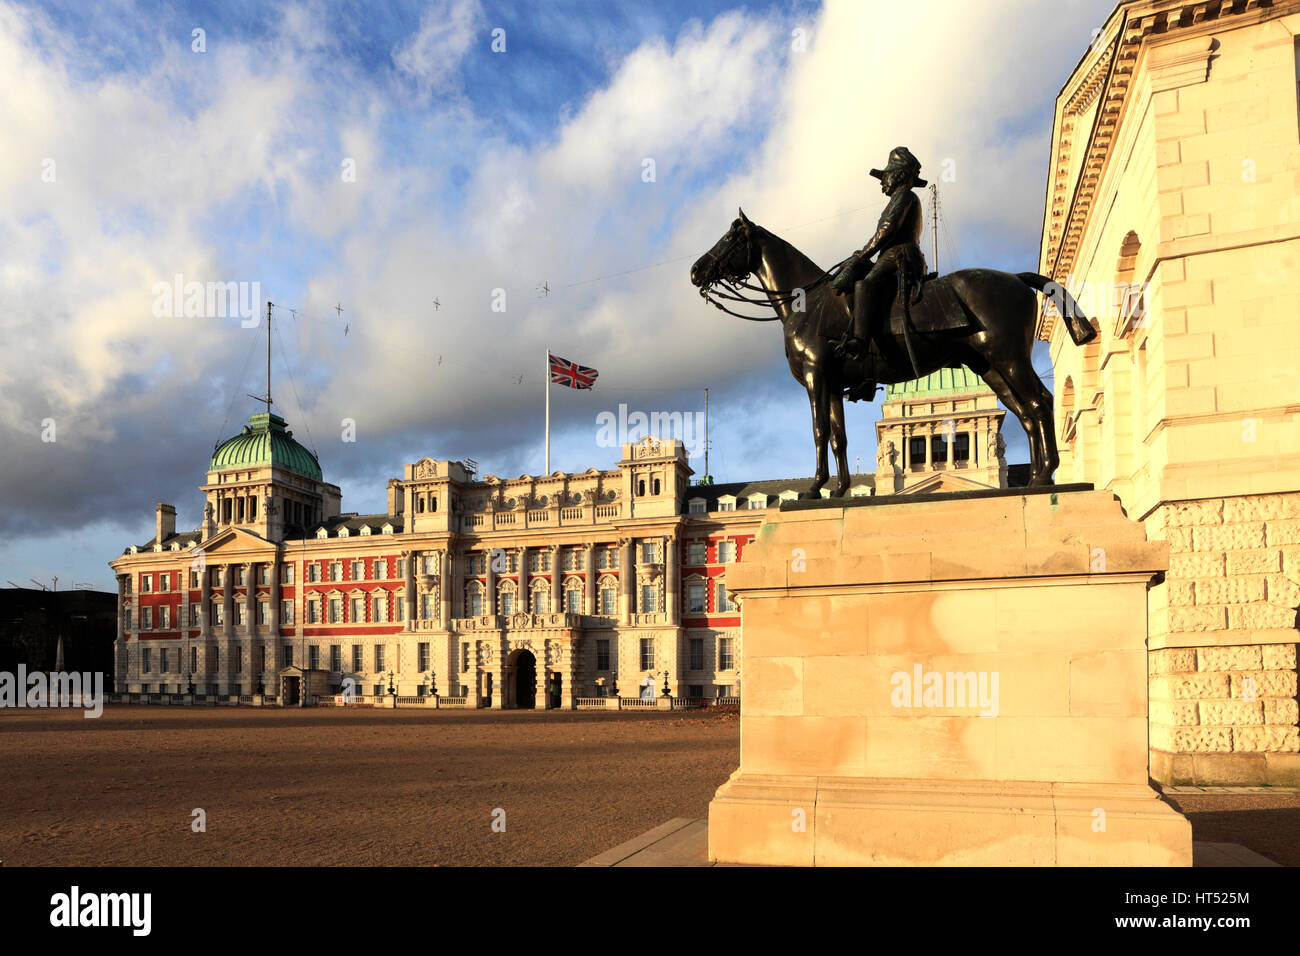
(235, 541)
(940, 483)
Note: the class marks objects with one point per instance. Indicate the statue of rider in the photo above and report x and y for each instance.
(900, 264)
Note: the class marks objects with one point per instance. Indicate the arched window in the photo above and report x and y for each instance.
(473, 599)
(419, 504)
(640, 488)
(656, 486)
(1130, 301)
(541, 597)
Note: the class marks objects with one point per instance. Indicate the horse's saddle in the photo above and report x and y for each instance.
(936, 310)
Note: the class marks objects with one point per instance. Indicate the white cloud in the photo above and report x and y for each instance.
(433, 55)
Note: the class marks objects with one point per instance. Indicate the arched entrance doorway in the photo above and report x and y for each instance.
(525, 680)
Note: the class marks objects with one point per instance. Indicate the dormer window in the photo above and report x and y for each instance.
(696, 506)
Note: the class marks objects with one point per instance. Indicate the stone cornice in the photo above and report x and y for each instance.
(1109, 78)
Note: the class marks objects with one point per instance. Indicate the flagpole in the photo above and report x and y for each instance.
(546, 380)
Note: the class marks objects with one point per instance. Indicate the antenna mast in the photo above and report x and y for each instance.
(259, 398)
(934, 223)
(706, 436)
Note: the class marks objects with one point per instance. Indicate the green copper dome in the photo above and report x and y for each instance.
(265, 441)
(942, 382)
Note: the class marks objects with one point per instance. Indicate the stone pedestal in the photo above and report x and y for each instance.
(946, 680)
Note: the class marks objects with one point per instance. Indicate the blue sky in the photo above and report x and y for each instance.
(135, 157)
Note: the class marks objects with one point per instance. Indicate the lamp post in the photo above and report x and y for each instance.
(433, 682)
(666, 691)
(392, 691)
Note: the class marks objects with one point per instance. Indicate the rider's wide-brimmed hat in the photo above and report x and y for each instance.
(901, 158)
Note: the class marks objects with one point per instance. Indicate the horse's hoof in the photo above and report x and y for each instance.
(811, 495)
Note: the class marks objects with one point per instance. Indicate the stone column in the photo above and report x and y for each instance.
(589, 581)
(273, 616)
(250, 617)
(444, 589)
(408, 504)
(525, 599)
(228, 642)
(205, 601)
(490, 589)
(672, 585)
(626, 580)
(497, 670)
(411, 604)
(951, 437)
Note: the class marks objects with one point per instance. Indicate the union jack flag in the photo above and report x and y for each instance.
(564, 372)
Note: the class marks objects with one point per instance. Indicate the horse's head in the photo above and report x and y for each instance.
(731, 259)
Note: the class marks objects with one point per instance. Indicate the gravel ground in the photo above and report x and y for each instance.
(325, 787)
(321, 787)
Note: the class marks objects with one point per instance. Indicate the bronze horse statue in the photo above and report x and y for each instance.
(993, 335)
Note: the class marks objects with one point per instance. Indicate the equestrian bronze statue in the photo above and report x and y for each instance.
(981, 318)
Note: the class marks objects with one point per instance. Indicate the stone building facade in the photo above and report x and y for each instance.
(1172, 215)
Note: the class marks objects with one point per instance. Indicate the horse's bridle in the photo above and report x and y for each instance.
(771, 299)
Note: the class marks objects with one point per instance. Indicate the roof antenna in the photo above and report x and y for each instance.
(258, 398)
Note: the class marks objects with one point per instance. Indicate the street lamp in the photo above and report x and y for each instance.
(392, 692)
(433, 682)
(666, 691)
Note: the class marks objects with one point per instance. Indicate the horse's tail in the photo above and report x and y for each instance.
(1076, 322)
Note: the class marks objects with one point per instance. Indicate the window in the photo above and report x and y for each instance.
(647, 654)
(313, 656)
(286, 613)
(649, 599)
(542, 601)
(507, 604)
(164, 660)
(146, 660)
(726, 505)
(726, 552)
(726, 661)
(164, 617)
(358, 661)
(379, 657)
(263, 574)
(573, 601)
(311, 612)
(261, 659)
(286, 574)
(288, 656)
(401, 567)
(938, 448)
(608, 601)
(607, 558)
(464, 656)
(358, 570)
(194, 615)
(724, 601)
(695, 553)
(194, 660)
(379, 606)
(650, 552)
(428, 605)
(430, 563)
(654, 487)
(313, 572)
(146, 618)
(399, 606)
(640, 488)
(164, 580)
(602, 655)
(336, 571)
(357, 610)
(474, 602)
(218, 614)
(696, 602)
(961, 447)
(241, 612)
(336, 657)
(263, 613)
(194, 579)
(697, 654)
(381, 569)
(241, 576)
(916, 451)
(697, 506)
(336, 610)
(423, 654)
(146, 583)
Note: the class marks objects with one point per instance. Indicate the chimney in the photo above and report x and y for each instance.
(164, 522)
